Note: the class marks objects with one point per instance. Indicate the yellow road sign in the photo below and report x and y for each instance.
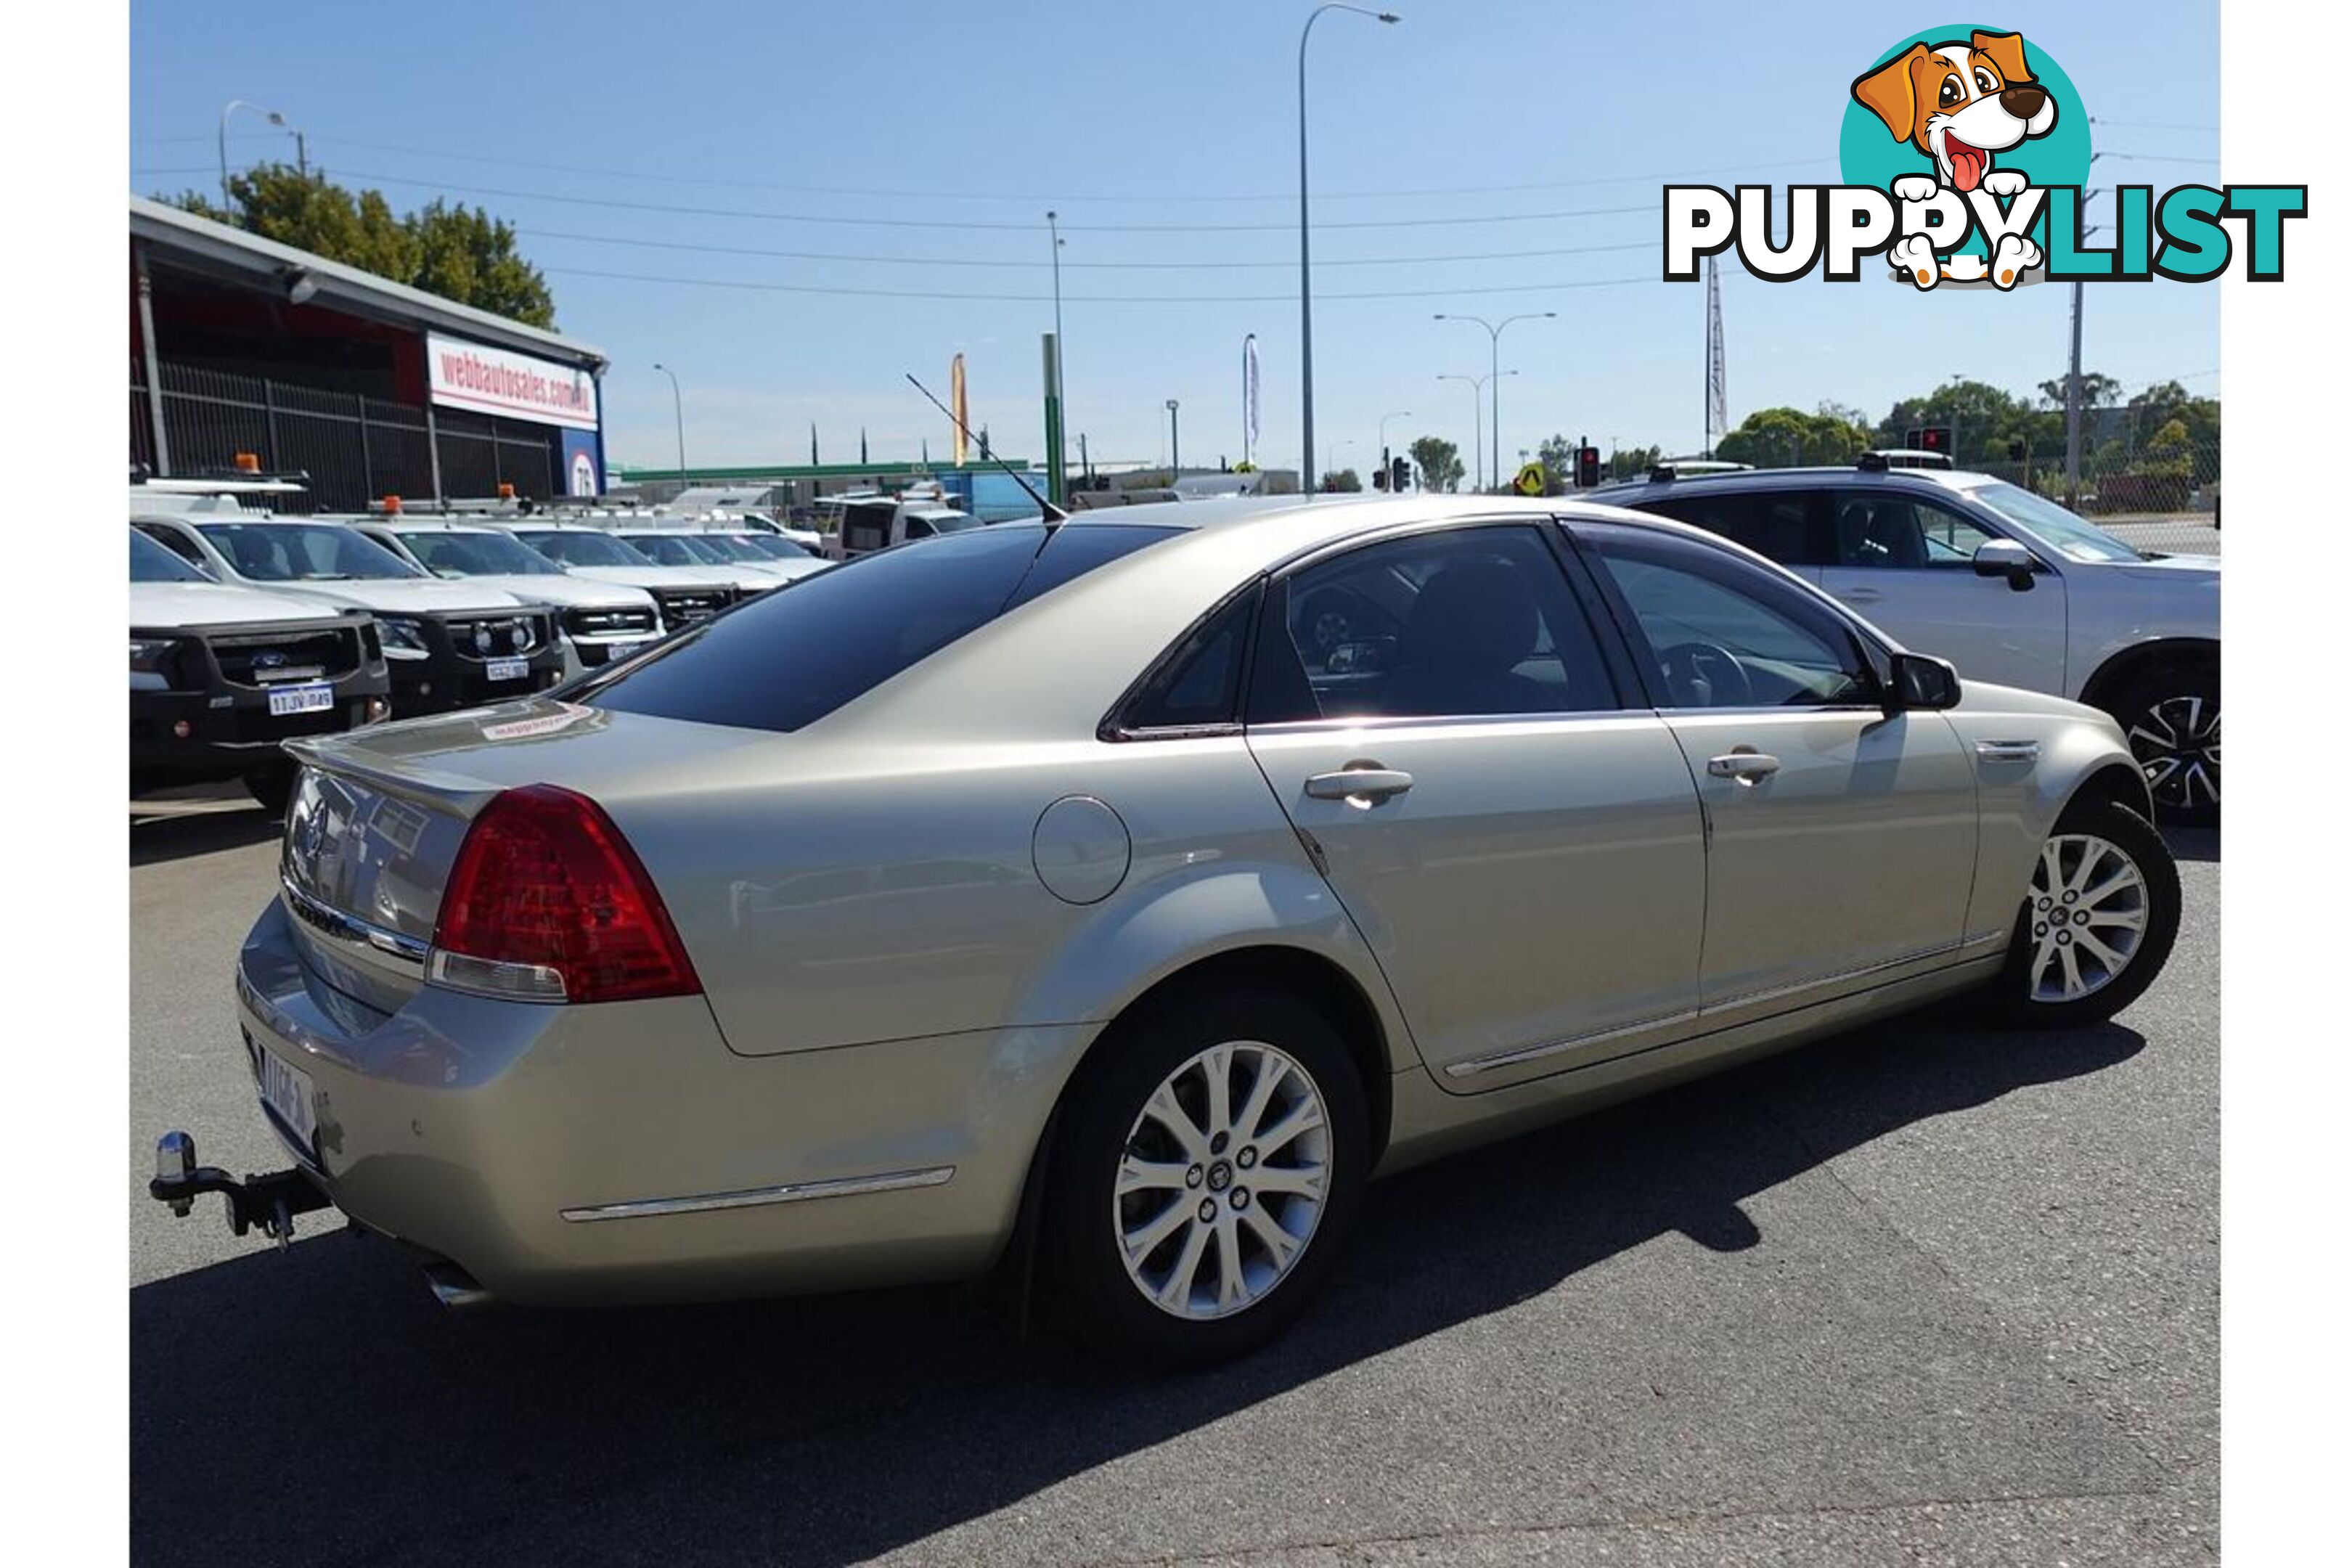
(1532, 480)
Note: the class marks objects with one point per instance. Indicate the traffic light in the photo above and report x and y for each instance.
(1379, 478)
(1400, 474)
(1929, 438)
(1587, 467)
(2016, 450)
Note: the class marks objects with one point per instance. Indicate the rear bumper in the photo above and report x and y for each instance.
(577, 1155)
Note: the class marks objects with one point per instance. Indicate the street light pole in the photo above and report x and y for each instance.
(1478, 435)
(1175, 462)
(678, 403)
(301, 154)
(1494, 358)
(1306, 288)
(1061, 387)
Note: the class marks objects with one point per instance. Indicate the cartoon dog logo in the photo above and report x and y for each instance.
(1959, 103)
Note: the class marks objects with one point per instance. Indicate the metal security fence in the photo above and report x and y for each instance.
(355, 449)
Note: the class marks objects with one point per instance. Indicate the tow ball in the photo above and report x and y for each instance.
(268, 1204)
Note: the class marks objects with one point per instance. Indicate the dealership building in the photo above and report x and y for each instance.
(245, 352)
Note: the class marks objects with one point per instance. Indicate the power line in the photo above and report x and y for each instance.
(762, 287)
(890, 193)
(702, 249)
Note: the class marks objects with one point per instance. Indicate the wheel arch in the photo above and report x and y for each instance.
(2118, 781)
(2126, 665)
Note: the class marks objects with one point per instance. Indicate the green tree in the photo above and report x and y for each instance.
(1632, 462)
(1345, 479)
(1983, 420)
(1557, 454)
(1787, 438)
(457, 252)
(2097, 390)
(1439, 460)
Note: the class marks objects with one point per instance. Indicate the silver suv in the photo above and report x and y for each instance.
(2010, 586)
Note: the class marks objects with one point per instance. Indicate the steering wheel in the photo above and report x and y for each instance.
(1703, 674)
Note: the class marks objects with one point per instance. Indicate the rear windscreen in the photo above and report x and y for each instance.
(789, 659)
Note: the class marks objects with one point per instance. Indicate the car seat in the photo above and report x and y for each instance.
(1471, 626)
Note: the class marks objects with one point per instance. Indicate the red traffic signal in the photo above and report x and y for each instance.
(1587, 467)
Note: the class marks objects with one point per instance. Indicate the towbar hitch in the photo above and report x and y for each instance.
(268, 1204)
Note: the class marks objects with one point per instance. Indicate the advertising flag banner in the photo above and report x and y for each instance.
(957, 401)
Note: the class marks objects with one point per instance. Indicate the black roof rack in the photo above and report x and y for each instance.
(1872, 462)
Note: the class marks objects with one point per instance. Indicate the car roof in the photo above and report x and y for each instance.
(1782, 478)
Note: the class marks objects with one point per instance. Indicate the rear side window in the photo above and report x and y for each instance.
(1196, 685)
(789, 659)
(1784, 526)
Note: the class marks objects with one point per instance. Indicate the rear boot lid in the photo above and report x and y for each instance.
(377, 818)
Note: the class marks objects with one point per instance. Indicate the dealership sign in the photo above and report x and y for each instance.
(499, 380)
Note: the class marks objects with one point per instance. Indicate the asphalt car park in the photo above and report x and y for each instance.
(1923, 1291)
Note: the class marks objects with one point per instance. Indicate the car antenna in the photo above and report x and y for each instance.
(1055, 515)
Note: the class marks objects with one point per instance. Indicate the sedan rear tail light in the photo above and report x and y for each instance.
(547, 902)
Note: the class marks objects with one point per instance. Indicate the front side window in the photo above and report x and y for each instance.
(1723, 634)
(302, 552)
(1465, 623)
(1903, 533)
(2053, 524)
(178, 544)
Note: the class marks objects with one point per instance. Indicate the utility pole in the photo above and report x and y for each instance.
(2075, 403)
(1175, 462)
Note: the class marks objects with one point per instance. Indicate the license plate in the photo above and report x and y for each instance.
(314, 699)
(617, 651)
(510, 669)
(286, 1089)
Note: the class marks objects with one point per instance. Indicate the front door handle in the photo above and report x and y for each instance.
(1861, 596)
(1358, 786)
(1743, 767)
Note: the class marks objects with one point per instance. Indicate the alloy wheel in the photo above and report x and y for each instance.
(1223, 1180)
(2090, 913)
(2177, 744)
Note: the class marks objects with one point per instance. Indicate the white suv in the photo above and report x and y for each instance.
(2010, 586)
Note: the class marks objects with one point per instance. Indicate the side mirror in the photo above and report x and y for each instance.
(1919, 681)
(2006, 558)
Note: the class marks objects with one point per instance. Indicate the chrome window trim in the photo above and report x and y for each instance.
(1422, 720)
(755, 1197)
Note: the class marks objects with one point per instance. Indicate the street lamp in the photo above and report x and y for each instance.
(1477, 439)
(1175, 463)
(1493, 350)
(2074, 379)
(678, 403)
(1306, 289)
(1331, 454)
(301, 152)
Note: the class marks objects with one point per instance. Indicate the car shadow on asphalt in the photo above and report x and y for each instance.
(314, 1406)
(174, 830)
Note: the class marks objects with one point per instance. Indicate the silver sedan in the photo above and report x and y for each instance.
(1112, 899)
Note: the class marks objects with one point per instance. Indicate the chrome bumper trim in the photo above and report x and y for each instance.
(333, 922)
(755, 1197)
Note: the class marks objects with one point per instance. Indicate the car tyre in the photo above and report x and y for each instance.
(2171, 716)
(1164, 1243)
(2101, 912)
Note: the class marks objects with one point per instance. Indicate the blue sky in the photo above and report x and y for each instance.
(1165, 135)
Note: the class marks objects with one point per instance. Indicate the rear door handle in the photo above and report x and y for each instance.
(1743, 767)
(1368, 785)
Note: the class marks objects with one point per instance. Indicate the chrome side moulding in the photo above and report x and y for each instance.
(755, 1197)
